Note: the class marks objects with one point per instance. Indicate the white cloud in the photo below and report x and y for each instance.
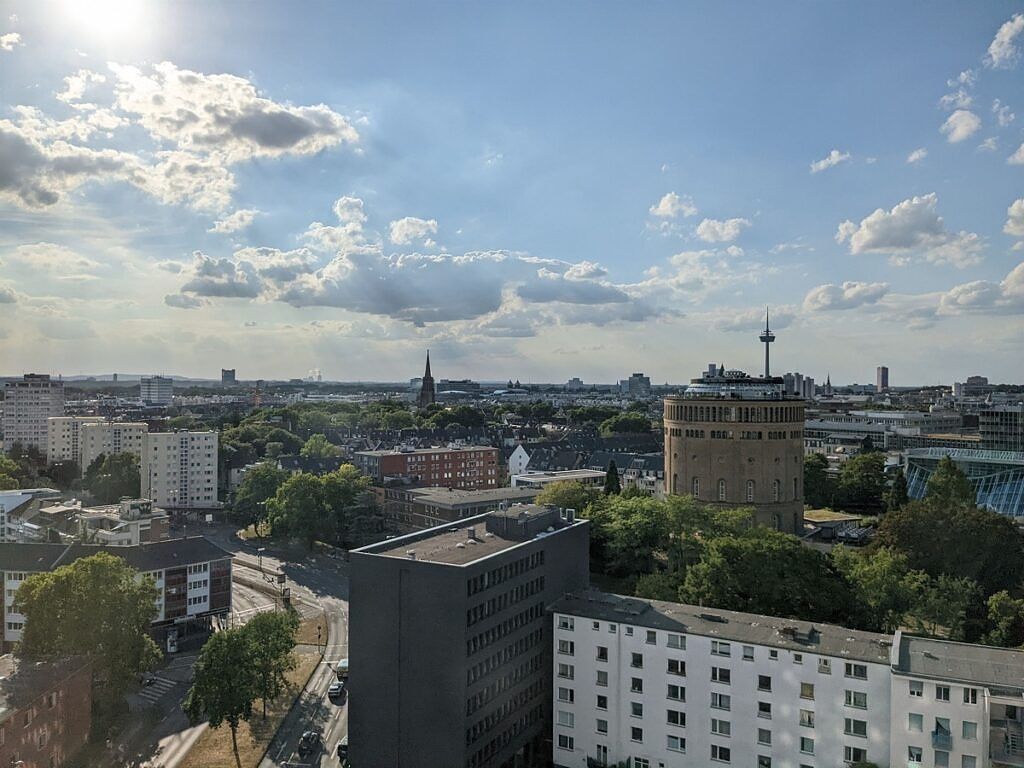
(50, 257)
(1017, 158)
(833, 158)
(409, 229)
(1015, 219)
(984, 296)
(1003, 52)
(183, 301)
(958, 99)
(719, 231)
(8, 295)
(960, 125)
(9, 41)
(966, 78)
(347, 234)
(672, 206)
(240, 219)
(849, 295)
(222, 278)
(1003, 114)
(911, 228)
(991, 144)
(77, 84)
(746, 320)
(917, 155)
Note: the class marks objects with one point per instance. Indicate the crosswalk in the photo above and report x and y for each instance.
(156, 689)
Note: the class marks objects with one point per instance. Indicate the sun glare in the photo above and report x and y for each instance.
(110, 20)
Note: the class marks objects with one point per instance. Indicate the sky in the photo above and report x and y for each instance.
(531, 190)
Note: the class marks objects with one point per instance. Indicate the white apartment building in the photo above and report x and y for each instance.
(64, 437)
(28, 406)
(156, 390)
(179, 469)
(110, 437)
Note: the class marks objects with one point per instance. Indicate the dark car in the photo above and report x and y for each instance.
(336, 693)
(309, 743)
(343, 750)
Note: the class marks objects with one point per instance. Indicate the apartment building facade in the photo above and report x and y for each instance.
(110, 437)
(450, 645)
(470, 467)
(156, 390)
(28, 406)
(415, 509)
(178, 470)
(64, 441)
(665, 684)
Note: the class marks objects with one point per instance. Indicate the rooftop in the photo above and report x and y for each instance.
(735, 385)
(967, 455)
(435, 449)
(567, 474)
(772, 631)
(436, 495)
(22, 682)
(155, 556)
(999, 668)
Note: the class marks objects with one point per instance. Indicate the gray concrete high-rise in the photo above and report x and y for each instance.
(156, 390)
(881, 378)
(29, 403)
(450, 642)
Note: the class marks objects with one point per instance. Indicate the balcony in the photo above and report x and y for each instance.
(1006, 743)
(942, 739)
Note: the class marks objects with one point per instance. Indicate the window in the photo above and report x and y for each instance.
(750, 490)
(806, 745)
(602, 702)
(675, 717)
(941, 758)
(676, 693)
(776, 490)
(854, 755)
(807, 718)
(773, 654)
(629, 631)
(764, 682)
(566, 694)
(916, 688)
(695, 487)
(942, 693)
(636, 734)
(566, 622)
(721, 754)
(914, 754)
(798, 658)
(968, 761)
(636, 685)
(638, 661)
(857, 699)
(857, 671)
(612, 628)
(602, 726)
(720, 701)
(915, 722)
(566, 671)
(602, 678)
(641, 762)
(719, 648)
(602, 653)
(764, 736)
(970, 695)
(824, 666)
(596, 626)
(807, 691)
(721, 675)
(677, 641)
(853, 727)
(721, 727)
(764, 709)
(721, 490)
(677, 667)
(763, 761)
(565, 742)
(652, 637)
(566, 719)
(970, 731)
(675, 744)
(748, 653)
(567, 647)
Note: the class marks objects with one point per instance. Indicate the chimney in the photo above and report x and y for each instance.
(570, 515)
(471, 534)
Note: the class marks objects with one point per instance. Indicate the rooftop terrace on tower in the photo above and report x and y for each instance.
(720, 384)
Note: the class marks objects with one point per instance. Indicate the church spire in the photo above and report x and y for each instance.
(426, 373)
(427, 390)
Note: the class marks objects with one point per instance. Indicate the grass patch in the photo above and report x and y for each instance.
(307, 634)
(249, 532)
(213, 750)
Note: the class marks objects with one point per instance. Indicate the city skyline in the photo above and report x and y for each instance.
(523, 190)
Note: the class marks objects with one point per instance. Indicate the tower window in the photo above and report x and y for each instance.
(695, 487)
(721, 490)
(776, 490)
(750, 490)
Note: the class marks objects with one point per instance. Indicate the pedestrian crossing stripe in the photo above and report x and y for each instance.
(156, 689)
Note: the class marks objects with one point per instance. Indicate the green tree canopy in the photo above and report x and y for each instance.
(612, 485)
(817, 489)
(627, 422)
(112, 476)
(897, 497)
(625, 534)
(96, 606)
(1006, 620)
(319, 447)
(298, 509)
(885, 586)
(949, 487)
(862, 484)
(259, 485)
(566, 494)
(271, 642)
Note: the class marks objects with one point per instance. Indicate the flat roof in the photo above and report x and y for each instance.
(435, 449)
(564, 474)
(151, 556)
(999, 668)
(771, 631)
(439, 495)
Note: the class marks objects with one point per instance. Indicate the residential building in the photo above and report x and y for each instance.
(646, 472)
(737, 441)
(450, 645)
(996, 476)
(156, 390)
(427, 393)
(192, 576)
(45, 711)
(881, 379)
(590, 478)
(179, 469)
(130, 522)
(413, 509)
(1002, 427)
(63, 437)
(636, 386)
(517, 461)
(28, 405)
(227, 377)
(107, 437)
(669, 684)
(470, 467)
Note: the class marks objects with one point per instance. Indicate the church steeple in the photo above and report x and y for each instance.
(427, 391)
(426, 373)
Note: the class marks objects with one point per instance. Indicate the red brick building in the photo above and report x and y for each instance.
(45, 709)
(471, 467)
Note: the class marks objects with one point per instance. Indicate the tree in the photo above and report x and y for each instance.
(319, 447)
(345, 496)
(862, 484)
(622, 423)
(224, 683)
(1006, 620)
(611, 480)
(886, 588)
(112, 477)
(298, 509)
(311, 421)
(944, 603)
(625, 533)
(8, 483)
(768, 572)
(566, 494)
(817, 490)
(273, 449)
(259, 485)
(949, 487)
(897, 496)
(97, 606)
(658, 586)
(271, 642)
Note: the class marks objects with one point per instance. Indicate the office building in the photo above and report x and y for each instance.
(881, 379)
(192, 576)
(1002, 427)
(156, 390)
(64, 437)
(107, 437)
(636, 386)
(45, 711)
(454, 389)
(227, 377)
(427, 393)
(178, 469)
(450, 645)
(996, 476)
(589, 478)
(470, 467)
(414, 509)
(28, 405)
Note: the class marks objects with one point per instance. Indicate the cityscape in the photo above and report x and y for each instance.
(652, 397)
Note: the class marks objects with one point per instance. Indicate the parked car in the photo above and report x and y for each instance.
(341, 669)
(309, 743)
(343, 750)
(336, 693)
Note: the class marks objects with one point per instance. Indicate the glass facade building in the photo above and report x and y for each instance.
(997, 476)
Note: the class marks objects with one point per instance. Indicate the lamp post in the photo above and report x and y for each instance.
(259, 556)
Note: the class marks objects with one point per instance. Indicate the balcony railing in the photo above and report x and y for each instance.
(942, 739)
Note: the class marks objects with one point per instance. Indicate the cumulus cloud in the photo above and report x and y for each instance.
(9, 41)
(222, 278)
(991, 144)
(911, 228)
(183, 301)
(917, 155)
(1003, 52)
(50, 257)
(1017, 158)
(719, 231)
(7, 295)
(1003, 114)
(411, 229)
(235, 221)
(832, 159)
(745, 320)
(346, 234)
(1015, 219)
(672, 206)
(958, 99)
(278, 265)
(984, 296)
(849, 295)
(76, 85)
(960, 125)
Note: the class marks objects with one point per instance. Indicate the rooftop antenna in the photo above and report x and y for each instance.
(767, 337)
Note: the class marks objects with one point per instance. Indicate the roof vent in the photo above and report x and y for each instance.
(471, 533)
(460, 545)
(411, 554)
(713, 617)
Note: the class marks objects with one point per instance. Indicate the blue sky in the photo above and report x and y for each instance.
(532, 190)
